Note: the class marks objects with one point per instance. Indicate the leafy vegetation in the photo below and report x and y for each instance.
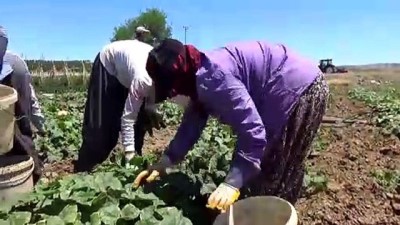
(63, 114)
(106, 196)
(388, 179)
(385, 103)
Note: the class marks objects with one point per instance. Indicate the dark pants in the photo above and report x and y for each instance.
(23, 141)
(102, 119)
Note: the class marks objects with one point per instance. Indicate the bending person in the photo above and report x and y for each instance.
(273, 99)
(118, 87)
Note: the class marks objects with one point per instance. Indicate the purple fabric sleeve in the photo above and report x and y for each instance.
(193, 123)
(230, 101)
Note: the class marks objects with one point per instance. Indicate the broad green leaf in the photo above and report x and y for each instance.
(130, 212)
(41, 222)
(167, 211)
(83, 197)
(110, 214)
(64, 195)
(53, 220)
(69, 214)
(95, 218)
(20, 218)
(149, 221)
(176, 219)
(147, 213)
(102, 181)
(99, 200)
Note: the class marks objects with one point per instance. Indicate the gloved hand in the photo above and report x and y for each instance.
(129, 153)
(223, 197)
(153, 172)
(154, 120)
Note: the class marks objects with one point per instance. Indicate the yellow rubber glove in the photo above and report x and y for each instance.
(153, 172)
(223, 197)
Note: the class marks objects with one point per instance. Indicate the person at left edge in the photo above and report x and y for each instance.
(20, 68)
(23, 135)
(120, 98)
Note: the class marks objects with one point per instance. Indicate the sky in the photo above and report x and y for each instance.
(348, 31)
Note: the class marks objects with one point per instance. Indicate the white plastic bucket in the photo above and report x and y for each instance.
(15, 177)
(263, 210)
(8, 97)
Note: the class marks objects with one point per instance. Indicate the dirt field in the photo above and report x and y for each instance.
(353, 153)
(349, 157)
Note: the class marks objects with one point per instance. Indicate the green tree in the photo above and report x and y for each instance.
(153, 19)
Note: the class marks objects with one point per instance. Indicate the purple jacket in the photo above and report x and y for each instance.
(252, 87)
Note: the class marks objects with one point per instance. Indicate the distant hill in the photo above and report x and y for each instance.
(374, 66)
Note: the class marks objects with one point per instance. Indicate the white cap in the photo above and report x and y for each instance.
(142, 29)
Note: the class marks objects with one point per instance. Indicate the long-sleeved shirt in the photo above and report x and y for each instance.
(251, 86)
(126, 60)
(20, 68)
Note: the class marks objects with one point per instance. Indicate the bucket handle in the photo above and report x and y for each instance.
(231, 220)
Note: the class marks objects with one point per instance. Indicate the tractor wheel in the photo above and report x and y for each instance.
(329, 69)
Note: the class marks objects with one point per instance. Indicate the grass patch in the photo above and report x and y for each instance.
(388, 179)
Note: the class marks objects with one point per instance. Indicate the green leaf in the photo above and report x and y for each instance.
(41, 222)
(20, 218)
(52, 220)
(95, 218)
(149, 221)
(69, 214)
(147, 213)
(83, 197)
(107, 180)
(130, 212)
(176, 219)
(110, 214)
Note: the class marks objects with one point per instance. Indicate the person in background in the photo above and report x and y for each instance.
(23, 135)
(3, 45)
(20, 68)
(273, 99)
(140, 33)
(120, 98)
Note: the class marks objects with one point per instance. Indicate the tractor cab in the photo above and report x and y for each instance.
(326, 66)
(325, 62)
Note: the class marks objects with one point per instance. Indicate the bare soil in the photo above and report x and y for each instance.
(353, 196)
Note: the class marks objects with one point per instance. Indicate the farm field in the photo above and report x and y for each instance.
(353, 175)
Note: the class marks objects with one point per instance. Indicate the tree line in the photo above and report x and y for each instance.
(58, 65)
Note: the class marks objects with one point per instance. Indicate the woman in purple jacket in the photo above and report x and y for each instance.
(273, 99)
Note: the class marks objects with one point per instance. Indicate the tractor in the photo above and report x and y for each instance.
(326, 66)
